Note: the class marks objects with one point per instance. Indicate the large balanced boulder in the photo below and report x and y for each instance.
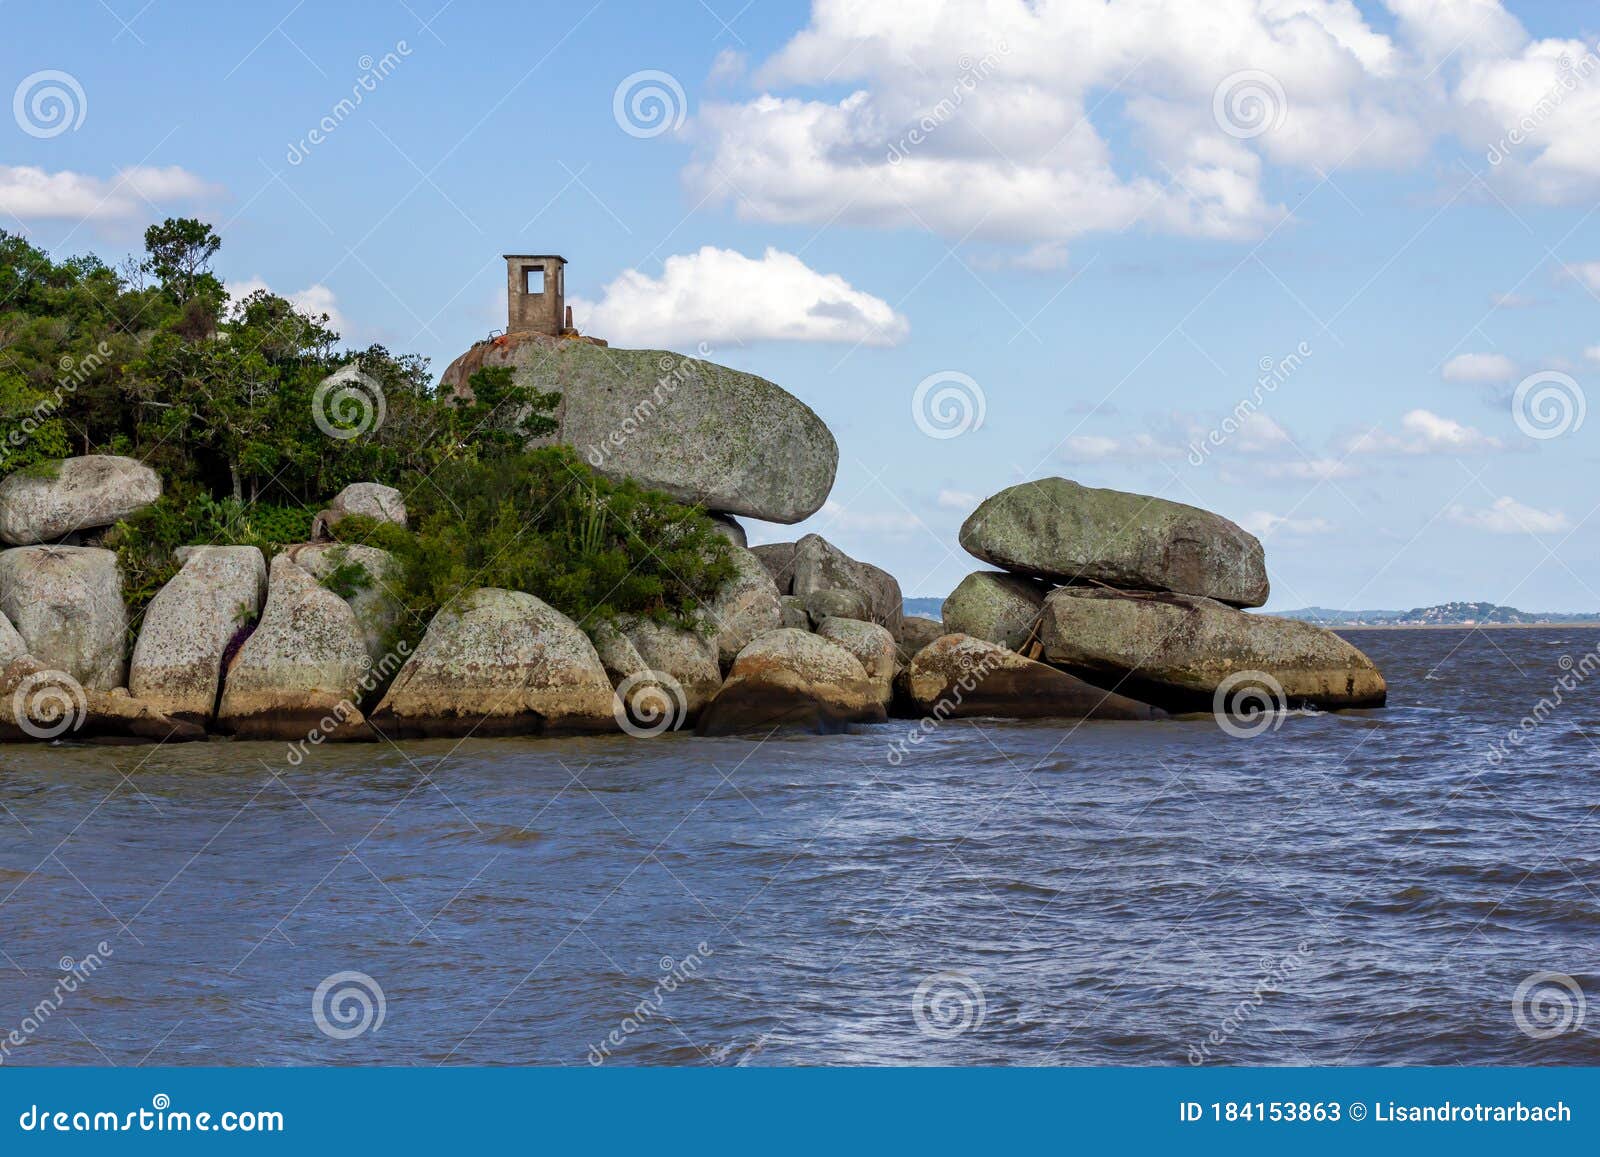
(364, 577)
(703, 433)
(957, 676)
(177, 662)
(790, 678)
(371, 499)
(815, 564)
(873, 647)
(498, 662)
(45, 502)
(1055, 529)
(66, 604)
(996, 607)
(745, 607)
(300, 670)
(1180, 651)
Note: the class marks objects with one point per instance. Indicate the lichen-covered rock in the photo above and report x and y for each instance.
(996, 607)
(301, 668)
(66, 604)
(499, 662)
(46, 502)
(177, 662)
(957, 676)
(778, 558)
(789, 678)
(703, 433)
(916, 632)
(372, 499)
(745, 607)
(819, 566)
(1055, 529)
(793, 612)
(835, 604)
(40, 704)
(1178, 650)
(727, 526)
(689, 657)
(369, 576)
(873, 647)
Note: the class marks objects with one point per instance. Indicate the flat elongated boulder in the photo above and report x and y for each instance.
(499, 662)
(873, 647)
(364, 577)
(66, 604)
(819, 565)
(45, 502)
(996, 607)
(958, 676)
(300, 669)
(703, 433)
(177, 662)
(1058, 530)
(790, 678)
(745, 607)
(1178, 650)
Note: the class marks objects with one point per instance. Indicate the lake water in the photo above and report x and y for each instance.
(1365, 888)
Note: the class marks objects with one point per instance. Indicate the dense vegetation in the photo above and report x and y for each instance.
(231, 403)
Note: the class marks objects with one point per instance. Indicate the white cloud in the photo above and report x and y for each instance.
(1135, 448)
(32, 194)
(1309, 469)
(1479, 368)
(314, 300)
(1035, 123)
(1264, 525)
(958, 500)
(836, 516)
(1592, 353)
(1586, 273)
(719, 295)
(1424, 432)
(1508, 516)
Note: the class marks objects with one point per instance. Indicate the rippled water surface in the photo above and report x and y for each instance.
(1361, 888)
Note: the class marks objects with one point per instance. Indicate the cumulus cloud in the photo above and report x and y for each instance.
(314, 300)
(1308, 469)
(1479, 368)
(1424, 432)
(719, 295)
(1003, 120)
(1263, 524)
(1508, 516)
(1134, 448)
(30, 193)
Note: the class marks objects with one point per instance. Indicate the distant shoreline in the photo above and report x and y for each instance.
(1454, 626)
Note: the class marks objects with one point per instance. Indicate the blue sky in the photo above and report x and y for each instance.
(1093, 241)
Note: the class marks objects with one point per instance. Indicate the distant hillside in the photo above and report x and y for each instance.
(1457, 614)
(928, 608)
